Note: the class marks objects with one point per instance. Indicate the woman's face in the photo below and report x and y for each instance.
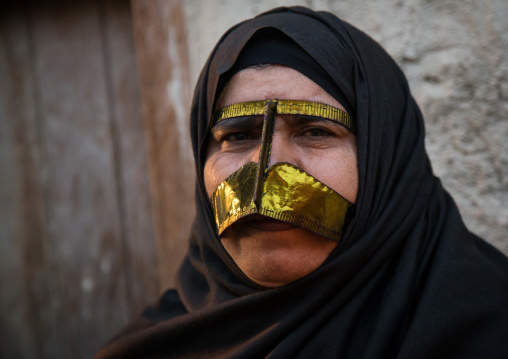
(270, 252)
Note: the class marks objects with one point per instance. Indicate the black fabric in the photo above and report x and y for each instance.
(408, 280)
(270, 46)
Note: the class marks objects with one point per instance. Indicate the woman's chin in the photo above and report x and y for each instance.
(272, 253)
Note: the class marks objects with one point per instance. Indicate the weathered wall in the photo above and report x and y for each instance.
(94, 215)
(455, 55)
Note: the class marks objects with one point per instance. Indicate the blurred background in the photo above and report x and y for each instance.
(96, 172)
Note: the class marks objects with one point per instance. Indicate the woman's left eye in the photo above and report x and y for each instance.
(316, 132)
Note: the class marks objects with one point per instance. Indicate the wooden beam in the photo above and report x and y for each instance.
(131, 159)
(159, 34)
(78, 248)
(26, 298)
(83, 218)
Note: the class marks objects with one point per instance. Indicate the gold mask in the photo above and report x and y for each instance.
(283, 191)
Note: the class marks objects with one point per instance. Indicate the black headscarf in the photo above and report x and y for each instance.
(407, 280)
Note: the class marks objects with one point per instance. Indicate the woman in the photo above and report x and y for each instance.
(388, 270)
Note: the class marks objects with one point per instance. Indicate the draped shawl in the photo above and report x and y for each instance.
(407, 280)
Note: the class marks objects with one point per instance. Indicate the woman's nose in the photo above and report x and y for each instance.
(280, 150)
(283, 149)
(280, 147)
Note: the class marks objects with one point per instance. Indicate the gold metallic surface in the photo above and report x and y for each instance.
(234, 198)
(289, 194)
(286, 107)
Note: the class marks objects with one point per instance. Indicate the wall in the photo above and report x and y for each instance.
(455, 55)
(94, 214)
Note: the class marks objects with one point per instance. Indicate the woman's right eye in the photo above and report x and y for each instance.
(239, 133)
(238, 141)
(236, 136)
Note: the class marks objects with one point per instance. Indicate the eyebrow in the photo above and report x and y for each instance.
(298, 120)
(237, 124)
(245, 123)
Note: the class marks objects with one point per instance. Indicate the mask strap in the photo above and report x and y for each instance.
(266, 147)
(286, 107)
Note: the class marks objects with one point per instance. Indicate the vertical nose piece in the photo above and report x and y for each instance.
(266, 145)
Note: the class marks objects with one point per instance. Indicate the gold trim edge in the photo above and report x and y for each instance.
(286, 107)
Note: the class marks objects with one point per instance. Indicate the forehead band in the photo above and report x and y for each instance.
(286, 107)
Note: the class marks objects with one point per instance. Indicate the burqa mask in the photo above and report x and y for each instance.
(283, 191)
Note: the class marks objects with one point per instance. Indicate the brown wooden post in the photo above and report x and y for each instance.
(79, 250)
(26, 298)
(159, 34)
(80, 184)
(131, 159)
(77, 245)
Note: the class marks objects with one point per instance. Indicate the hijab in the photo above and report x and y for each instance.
(407, 280)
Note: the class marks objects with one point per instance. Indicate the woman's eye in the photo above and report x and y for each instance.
(316, 132)
(238, 136)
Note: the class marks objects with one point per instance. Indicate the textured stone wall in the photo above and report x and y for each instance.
(455, 55)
